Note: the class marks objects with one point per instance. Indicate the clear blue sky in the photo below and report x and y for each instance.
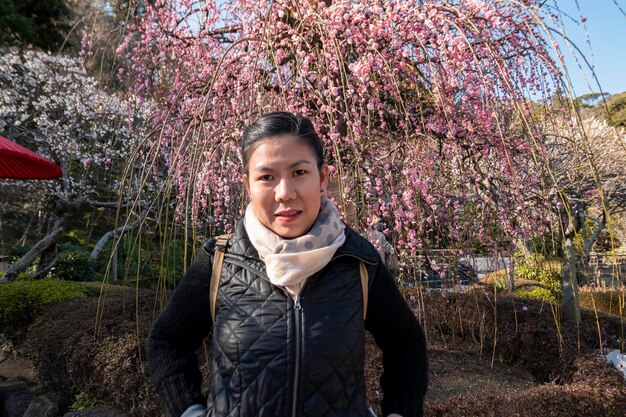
(605, 27)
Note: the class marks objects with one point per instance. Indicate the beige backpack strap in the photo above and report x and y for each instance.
(218, 259)
(364, 286)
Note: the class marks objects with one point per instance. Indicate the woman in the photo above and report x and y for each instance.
(288, 338)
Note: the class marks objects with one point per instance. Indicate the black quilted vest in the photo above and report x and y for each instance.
(272, 357)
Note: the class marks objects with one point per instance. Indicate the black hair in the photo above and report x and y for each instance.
(276, 124)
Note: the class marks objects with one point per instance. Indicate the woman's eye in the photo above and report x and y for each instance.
(265, 178)
(299, 172)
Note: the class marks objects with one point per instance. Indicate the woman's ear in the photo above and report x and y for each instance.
(324, 177)
(246, 182)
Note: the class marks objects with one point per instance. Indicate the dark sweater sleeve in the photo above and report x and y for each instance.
(176, 335)
(400, 337)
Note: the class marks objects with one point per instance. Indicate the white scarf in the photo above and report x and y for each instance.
(289, 262)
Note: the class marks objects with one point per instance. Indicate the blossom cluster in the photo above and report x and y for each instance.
(422, 105)
(52, 106)
(587, 159)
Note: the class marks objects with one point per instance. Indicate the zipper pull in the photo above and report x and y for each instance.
(296, 303)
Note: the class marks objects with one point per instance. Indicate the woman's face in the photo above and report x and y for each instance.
(284, 184)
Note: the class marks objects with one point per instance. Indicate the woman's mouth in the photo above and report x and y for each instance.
(288, 215)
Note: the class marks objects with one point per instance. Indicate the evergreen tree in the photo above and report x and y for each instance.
(41, 23)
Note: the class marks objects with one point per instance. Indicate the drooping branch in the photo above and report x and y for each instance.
(106, 204)
(62, 210)
(115, 233)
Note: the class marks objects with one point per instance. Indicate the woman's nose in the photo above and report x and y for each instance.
(285, 190)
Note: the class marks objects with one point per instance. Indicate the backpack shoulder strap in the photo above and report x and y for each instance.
(364, 286)
(218, 259)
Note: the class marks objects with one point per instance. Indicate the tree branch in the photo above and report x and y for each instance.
(116, 232)
(36, 250)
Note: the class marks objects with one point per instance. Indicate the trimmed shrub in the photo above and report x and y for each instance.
(596, 389)
(535, 277)
(537, 293)
(74, 264)
(96, 346)
(529, 270)
(22, 301)
(536, 268)
(581, 400)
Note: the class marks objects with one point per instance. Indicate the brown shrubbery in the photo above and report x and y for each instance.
(611, 302)
(546, 400)
(110, 367)
(595, 389)
(23, 300)
(577, 381)
(524, 332)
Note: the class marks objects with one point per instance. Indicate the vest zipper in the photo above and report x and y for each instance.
(297, 307)
(297, 311)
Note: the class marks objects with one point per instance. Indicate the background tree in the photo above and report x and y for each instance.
(617, 110)
(586, 160)
(588, 163)
(423, 106)
(52, 106)
(98, 27)
(41, 23)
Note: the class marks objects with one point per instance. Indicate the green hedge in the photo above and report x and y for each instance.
(536, 268)
(22, 301)
(74, 264)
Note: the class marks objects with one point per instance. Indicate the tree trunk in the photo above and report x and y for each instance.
(41, 273)
(92, 225)
(510, 273)
(47, 260)
(569, 268)
(36, 250)
(569, 282)
(521, 245)
(61, 210)
(588, 243)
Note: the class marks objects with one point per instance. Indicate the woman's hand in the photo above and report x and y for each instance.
(195, 410)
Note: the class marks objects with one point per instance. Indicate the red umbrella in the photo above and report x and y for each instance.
(19, 163)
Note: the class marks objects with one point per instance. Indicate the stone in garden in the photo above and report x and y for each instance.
(46, 405)
(8, 388)
(618, 360)
(96, 412)
(16, 404)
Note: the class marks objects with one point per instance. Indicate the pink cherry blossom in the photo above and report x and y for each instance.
(423, 106)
